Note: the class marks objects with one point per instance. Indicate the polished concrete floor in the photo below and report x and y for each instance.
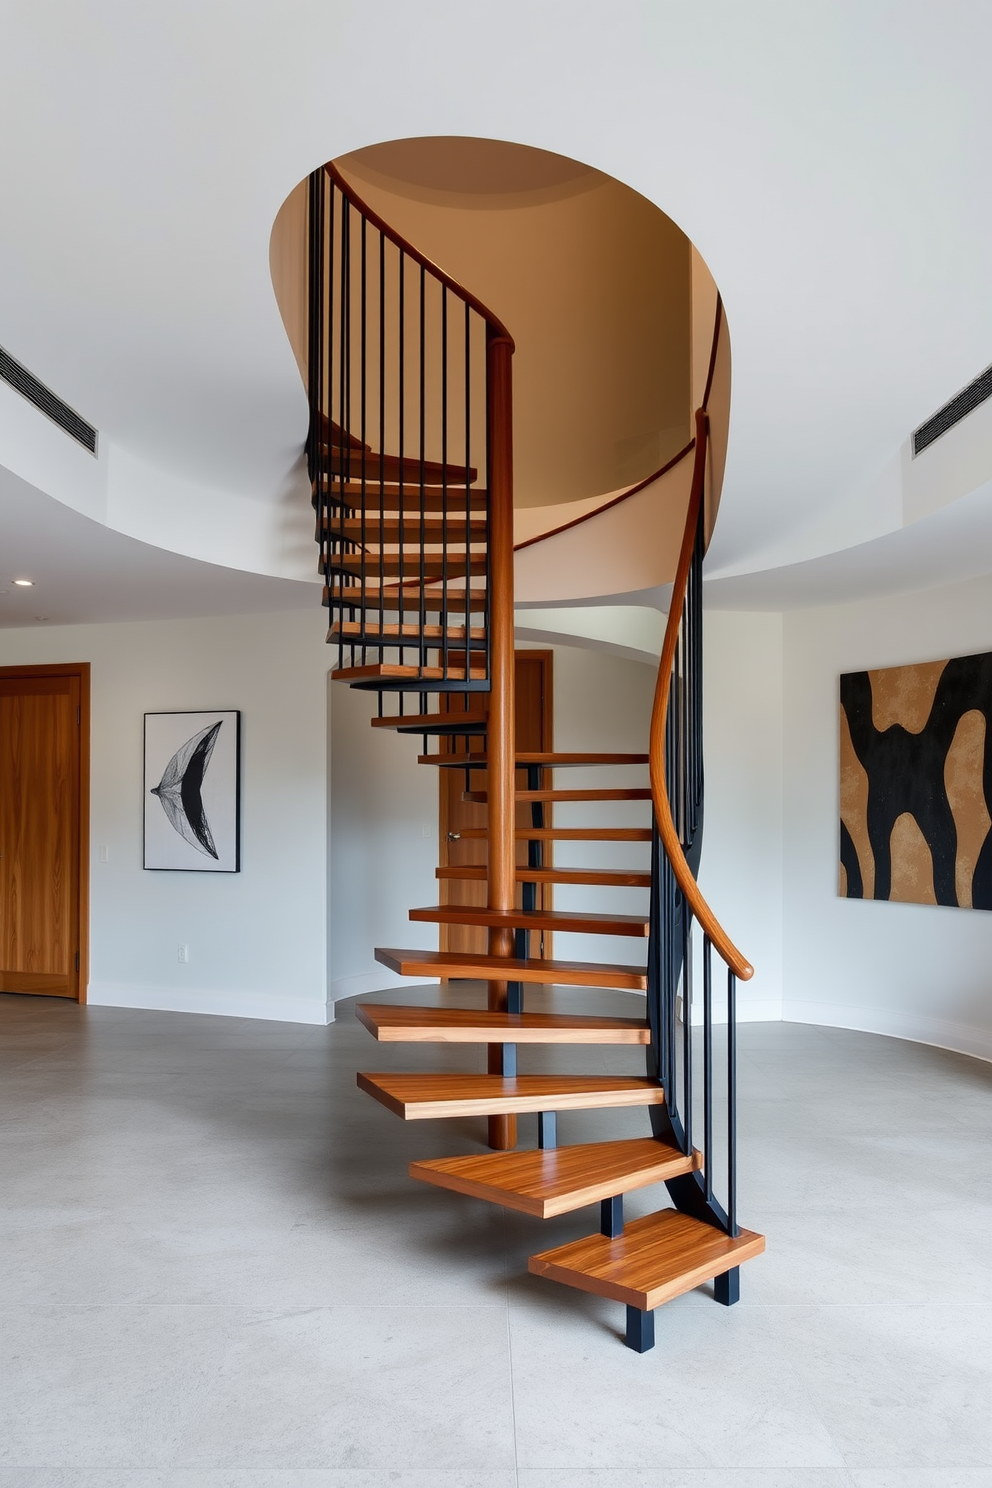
(216, 1274)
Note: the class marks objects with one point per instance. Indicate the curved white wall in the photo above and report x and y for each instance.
(914, 971)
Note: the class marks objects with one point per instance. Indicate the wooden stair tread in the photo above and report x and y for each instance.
(391, 497)
(630, 793)
(392, 670)
(391, 1023)
(534, 919)
(551, 761)
(402, 598)
(359, 463)
(433, 723)
(376, 528)
(429, 568)
(418, 1097)
(656, 1258)
(546, 1183)
(510, 969)
(567, 834)
(619, 878)
(356, 629)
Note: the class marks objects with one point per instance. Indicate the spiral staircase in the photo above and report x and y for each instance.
(410, 458)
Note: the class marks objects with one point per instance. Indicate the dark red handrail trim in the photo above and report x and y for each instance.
(360, 205)
(655, 474)
(614, 500)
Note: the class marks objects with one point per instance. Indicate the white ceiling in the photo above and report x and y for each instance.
(828, 160)
(85, 572)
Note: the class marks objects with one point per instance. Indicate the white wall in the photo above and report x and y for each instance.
(257, 939)
(913, 971)
(741, 868)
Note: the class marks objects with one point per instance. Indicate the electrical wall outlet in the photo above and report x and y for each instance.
(104, 854)
(426, 830)
(183, 954)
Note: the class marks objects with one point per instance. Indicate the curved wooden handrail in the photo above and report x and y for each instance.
(659, 716)
(346, 189)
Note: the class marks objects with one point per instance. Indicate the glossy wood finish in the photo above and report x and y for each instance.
(655, 1259)
(629, 793)
(618, 878)
(354, 630)
(549, 759)
(411, 566)
(44, 829)
(387, 670)
(431, 599)
(556, 1182)
(392, 1024)
(372, 528)
(433, 723)
(483, 968)
(427, 1097)
(501, 734)
(659, 716)
(535, 919)
(573, 834)
(354, 497)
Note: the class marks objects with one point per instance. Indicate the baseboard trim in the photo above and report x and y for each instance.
(269, 1007)
(959, 1038)
(379, 980)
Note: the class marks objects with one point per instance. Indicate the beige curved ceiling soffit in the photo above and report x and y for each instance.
(610, 306)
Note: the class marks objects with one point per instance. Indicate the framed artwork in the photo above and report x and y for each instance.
(916, 783)
(192, 792)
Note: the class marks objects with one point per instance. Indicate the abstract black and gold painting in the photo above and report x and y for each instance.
(916, 783)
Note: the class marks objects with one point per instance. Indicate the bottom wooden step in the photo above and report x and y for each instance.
(655, 1259)
(545, 1183)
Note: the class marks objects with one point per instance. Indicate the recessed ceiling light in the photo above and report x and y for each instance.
(24, 583)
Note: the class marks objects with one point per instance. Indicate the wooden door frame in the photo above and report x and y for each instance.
(80, 670)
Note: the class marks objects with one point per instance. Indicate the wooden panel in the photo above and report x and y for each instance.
(391, 1023)
(656, 1258)
(42, 830)
(483, 968)
(426, 1097)
(533, 726)
(548, 1183)
(537, 919)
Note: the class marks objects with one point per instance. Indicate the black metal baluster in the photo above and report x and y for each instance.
(423, 495)
(443, 616)
(732, 1103)
(707, 1069)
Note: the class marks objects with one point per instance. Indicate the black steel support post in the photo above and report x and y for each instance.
(611, 1217)
(727, 1288)
(640, 1330)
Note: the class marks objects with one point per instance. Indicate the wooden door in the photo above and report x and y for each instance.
(43, 726)
(534, 730)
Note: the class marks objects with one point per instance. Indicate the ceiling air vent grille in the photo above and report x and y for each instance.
(953, 412)
(42, 397)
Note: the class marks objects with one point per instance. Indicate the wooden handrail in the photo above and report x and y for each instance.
(496, 326)
(614, 501)
(659, 717)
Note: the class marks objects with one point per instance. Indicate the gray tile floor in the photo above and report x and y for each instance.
(216, 1274)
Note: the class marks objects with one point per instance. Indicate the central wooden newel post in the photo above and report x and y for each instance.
(501, 734)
